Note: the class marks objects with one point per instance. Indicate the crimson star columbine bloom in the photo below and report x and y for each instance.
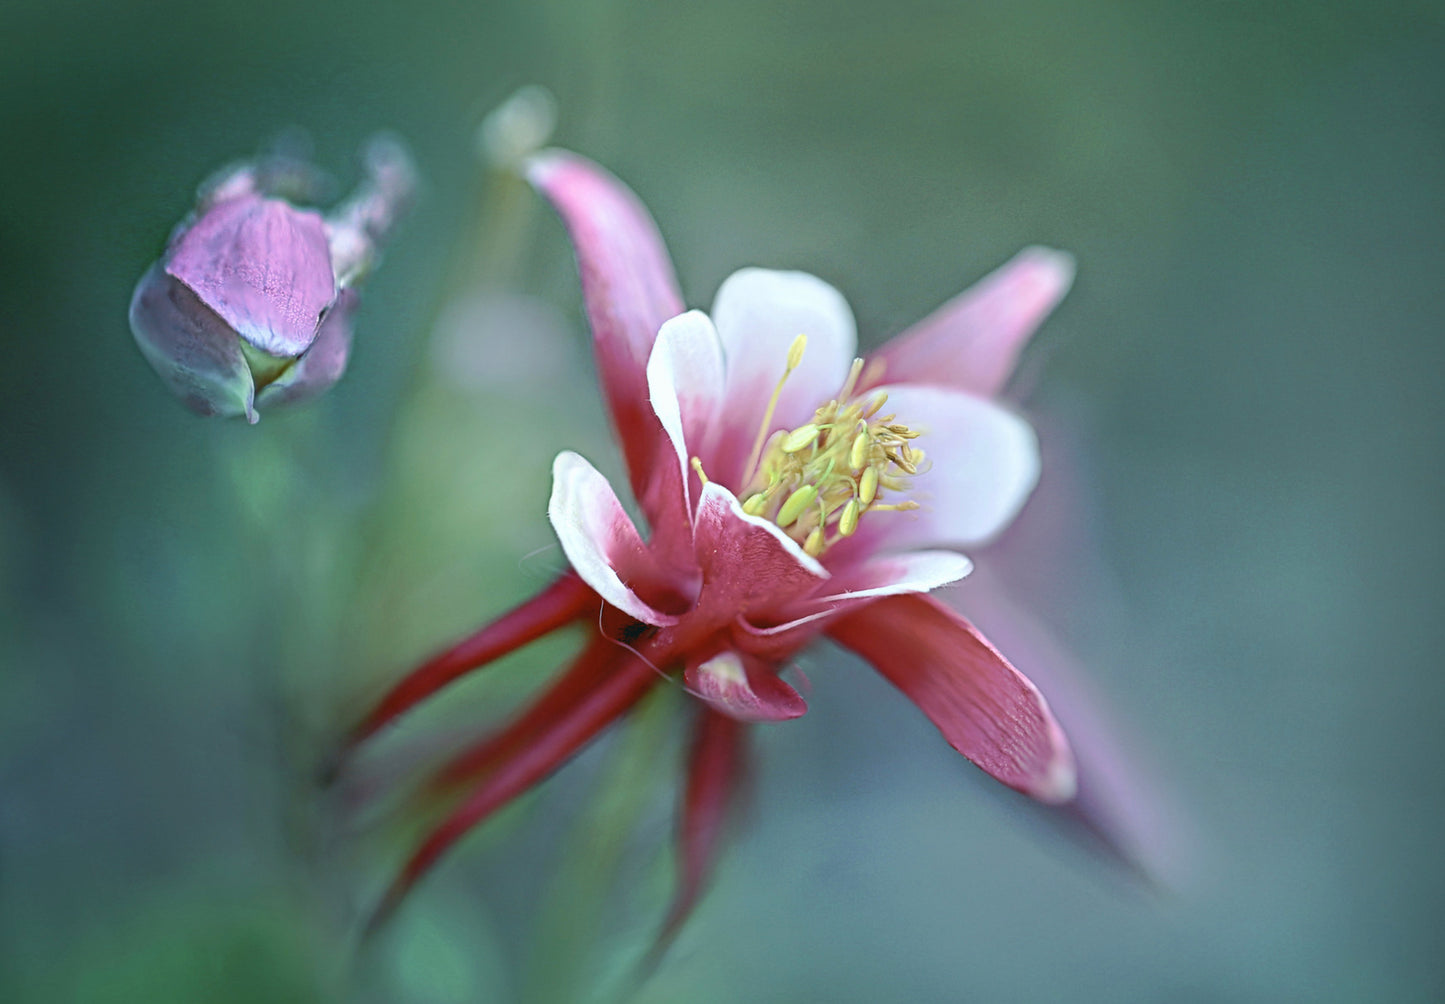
(791, 491)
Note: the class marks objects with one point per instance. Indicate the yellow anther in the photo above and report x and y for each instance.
(697, 466)
(858, 455)
(876, 405)
(816, 542)
(868, 486)
(908, 506)
(795, 352)
(796, 504)
(800, 438)
(849, 520)
(755, 504)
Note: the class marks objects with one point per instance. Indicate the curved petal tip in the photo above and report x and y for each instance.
(744, 690)
(1059, 781)
(599, 538)
(1051, 270)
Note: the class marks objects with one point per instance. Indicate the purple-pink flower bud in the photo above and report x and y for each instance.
(251, 305)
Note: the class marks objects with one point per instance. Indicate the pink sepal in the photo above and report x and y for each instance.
(986, 709)
(716, 770)
(629, 288)
(522, 760)
(564, 601)
(973, 341)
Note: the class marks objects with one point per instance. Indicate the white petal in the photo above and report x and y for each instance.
(597, 535)
(886, 575)
(758, 313)
(889, 575)
(982, 464)
(685, 382)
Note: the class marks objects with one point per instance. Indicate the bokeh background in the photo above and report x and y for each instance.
(1237, 542)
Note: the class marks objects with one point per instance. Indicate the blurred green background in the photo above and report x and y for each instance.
(1241, 393)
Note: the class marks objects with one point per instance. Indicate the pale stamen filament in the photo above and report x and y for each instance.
(795, 356)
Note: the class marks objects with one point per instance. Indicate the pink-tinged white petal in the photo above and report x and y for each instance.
(193, 350)
(982, 464)
(777, 643)
(630, 290)
(747, 563)
(744, 688)
(972, 342)
(986, 709)
(599, 539)
(895, 574)
(263, 266)
(685, 383)
(758, 313)
(884, 575)
(323, 363)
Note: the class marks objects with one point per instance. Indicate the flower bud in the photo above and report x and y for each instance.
(251, 305)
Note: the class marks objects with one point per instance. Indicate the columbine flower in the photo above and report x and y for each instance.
(251, 305)
(792, 491)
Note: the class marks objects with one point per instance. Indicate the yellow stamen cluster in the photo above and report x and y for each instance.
(818, 480)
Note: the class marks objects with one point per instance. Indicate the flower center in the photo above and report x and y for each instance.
(818, 480)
